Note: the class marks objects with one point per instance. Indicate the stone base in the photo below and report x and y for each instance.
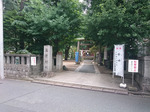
(77, 63)
(143, 76)
(48, 74)
(59, 70)
(144, 82)
(131, 88)
(65, 68)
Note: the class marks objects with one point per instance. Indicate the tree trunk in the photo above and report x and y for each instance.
(21, 42)
(22, 4)
(56, 47)
(67, 52)
(55, 2)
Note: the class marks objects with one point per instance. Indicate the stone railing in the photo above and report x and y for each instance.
(19, 65)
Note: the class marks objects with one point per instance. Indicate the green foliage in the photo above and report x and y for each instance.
(94, 49)
(72, 51)
(14, 29)
(114, 22)
(23, 52)
(31, 24)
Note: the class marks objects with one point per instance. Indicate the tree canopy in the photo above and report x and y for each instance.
(118, 22)
(30, 24)
(34, 23)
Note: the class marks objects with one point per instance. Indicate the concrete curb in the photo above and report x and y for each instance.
(143, 94)
(79, 86)
(86, 87)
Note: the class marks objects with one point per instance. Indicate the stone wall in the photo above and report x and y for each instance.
(19, 65)
(143, 77)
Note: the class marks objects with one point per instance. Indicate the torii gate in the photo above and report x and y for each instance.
(82, 44)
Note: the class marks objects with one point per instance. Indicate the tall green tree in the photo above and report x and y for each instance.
(14, 25)
(119, 22)
(34, 23)
(56, 25)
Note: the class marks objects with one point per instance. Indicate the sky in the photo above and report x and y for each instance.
(80, 0)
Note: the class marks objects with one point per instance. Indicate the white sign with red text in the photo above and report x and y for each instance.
(118, 61)
(133, 66)
(33, 61)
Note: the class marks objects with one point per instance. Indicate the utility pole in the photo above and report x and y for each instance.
(1, 42)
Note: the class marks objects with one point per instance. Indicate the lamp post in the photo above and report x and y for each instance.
(1, 42)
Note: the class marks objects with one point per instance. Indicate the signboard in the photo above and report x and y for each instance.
(33, 61)
(133, 66)
(118, 61)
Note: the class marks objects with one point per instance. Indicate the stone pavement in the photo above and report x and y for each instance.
(84, 81)
(71, 65)
(101, 80)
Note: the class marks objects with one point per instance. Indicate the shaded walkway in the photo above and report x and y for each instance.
(86, 67)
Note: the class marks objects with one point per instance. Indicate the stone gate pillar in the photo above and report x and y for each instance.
(59, 61)
(48, 61)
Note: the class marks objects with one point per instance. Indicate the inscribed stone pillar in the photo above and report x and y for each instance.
(48, 64)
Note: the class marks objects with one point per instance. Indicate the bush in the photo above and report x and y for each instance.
(24, 51)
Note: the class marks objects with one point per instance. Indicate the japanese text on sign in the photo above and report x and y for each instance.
(33, 61)
(118, 61)
(133, 65)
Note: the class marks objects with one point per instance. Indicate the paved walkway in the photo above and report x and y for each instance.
(79, 76)
(86, 67)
